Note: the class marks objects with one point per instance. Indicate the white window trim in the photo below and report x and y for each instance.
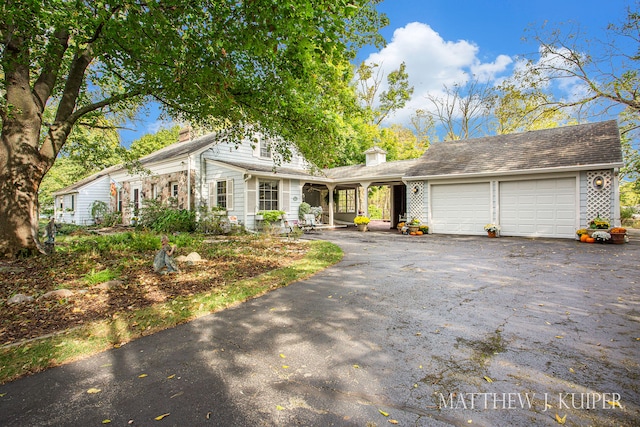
(213, 193)
(279, 192)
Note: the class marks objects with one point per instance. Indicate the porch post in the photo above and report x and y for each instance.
(331, 203)
(365, 200)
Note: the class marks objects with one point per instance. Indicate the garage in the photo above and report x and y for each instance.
(460, 208)
(538, 208)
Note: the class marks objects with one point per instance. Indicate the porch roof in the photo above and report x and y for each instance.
(393, 170)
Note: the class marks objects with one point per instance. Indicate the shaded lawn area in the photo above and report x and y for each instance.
(136, 301)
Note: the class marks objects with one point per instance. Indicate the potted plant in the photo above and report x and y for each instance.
(581, 232)
(361, 222)
(601, 236)
(492, 230)
(598, 223)
(414, 225)
(618, 235)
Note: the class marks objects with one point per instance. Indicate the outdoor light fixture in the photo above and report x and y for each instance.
(598, 182)
(415, 189)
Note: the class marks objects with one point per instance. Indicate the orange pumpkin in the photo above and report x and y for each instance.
(419, 233)
(584, 237)
(590, 240)
(413, 233)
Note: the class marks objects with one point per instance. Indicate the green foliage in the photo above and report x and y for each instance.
(147, 144)
(627, 212)
(111, 219)
(303, 209)
(98, 210)
(375, 212)
(112, 243)
(215, 221)
(271, 216)
(95, 277)
(163, 218)
(243, 67)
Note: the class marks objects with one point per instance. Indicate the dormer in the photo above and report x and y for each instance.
(375, 156)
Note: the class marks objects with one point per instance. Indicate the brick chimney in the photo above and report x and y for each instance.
(186, 134)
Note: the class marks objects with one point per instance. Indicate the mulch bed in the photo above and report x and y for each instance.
(137, 286)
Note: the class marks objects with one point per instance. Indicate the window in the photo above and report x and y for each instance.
(120, 196)
(268, 195)
(73, 202)
(173, 189)
(154, 191)
(265, 150)
(61, 203)
(221, 194)
(136, 201)
(346, 201)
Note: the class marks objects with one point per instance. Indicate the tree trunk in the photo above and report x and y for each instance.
(21, 171)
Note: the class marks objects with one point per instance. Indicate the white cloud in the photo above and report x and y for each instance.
(431, 63)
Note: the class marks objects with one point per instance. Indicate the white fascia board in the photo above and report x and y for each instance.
(515, 172)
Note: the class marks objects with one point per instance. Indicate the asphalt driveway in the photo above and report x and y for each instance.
(425, 330)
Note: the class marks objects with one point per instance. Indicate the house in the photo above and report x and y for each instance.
(240, 179)
(545, 183)
(542, 183)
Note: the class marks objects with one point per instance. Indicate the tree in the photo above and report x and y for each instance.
(149, 143)
(381, 104)
(250, 64)
(521, 106)
(464, 111)
(608, 70)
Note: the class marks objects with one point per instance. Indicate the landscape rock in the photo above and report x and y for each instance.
(59, 293)
(192, 258)
(19, 299)
(107, 285)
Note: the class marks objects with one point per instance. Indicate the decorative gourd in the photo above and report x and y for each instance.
(413, 233)
(590, 240)
(419, 233)
(584, 237)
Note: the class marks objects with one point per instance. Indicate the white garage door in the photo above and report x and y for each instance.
(538, 208)
(460, 208)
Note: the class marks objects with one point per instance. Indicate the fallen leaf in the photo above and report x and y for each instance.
(487, 379)
(393, 421)
(3, 394)
(159, 417)
(106, 421)
(559, 337)
(356, 366)
(386, 414)
(561, 420)
(572, 371)
(285, 366)
(279, 408)
(282, 355)
(614, 403)
(93, 390)
(547, 323)
(142, 375)
(418, 334)
(171, 376)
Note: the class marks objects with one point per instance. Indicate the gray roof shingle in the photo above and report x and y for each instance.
(578, 146)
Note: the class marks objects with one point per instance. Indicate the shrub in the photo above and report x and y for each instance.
(166, 218)
(304, 209)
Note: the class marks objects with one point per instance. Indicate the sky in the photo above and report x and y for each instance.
(446, 41)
